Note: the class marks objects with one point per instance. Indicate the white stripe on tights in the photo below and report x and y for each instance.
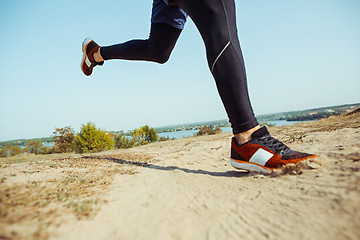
(212, 68)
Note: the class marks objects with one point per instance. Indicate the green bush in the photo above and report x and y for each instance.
(92, 139)
(139, 137)
(121, 141)
(144, 135)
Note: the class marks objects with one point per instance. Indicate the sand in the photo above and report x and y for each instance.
(187, 189)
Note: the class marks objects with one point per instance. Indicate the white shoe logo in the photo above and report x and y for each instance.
(261, 157)
(87, 61)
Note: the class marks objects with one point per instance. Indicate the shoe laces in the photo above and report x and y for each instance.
(273, 144)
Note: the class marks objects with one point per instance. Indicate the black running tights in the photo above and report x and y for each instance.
(157, 48)
(216, 22)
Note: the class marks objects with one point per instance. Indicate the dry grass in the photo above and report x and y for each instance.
(36, 191)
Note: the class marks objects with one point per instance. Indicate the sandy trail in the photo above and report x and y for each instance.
(186, 189)
(191, 192)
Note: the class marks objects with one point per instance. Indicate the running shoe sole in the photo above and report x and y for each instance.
(253, 167)
(85, 60)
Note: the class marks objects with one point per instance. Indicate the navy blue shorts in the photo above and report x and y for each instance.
(162, 13)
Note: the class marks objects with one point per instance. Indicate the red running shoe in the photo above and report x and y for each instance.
(264, 153)
(88, 62)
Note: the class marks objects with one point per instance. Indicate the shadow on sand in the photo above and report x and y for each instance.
(237, 174)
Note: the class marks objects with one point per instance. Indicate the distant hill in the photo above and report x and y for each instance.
(302, 115)
(309, 114)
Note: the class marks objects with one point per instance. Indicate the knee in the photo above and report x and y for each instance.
(160, 57)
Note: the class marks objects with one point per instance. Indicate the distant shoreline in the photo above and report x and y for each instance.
(301, 115)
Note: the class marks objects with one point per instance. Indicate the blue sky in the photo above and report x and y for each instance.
(298, 55)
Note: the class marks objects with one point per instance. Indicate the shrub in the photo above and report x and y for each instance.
(3, 152)
(34, 146)
(15, 150)
(144, 135)
(207, 130)
(162, 139)
(47, 150)
(92, 139)
(121, 141)
(10, 150)
(141, 136)
(64, 138)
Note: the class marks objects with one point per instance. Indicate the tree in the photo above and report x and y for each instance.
(64, 138)
(34, 146)
(92, 139)
(150, 134)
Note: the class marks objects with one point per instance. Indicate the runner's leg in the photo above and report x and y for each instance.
(216, 23)
(157, 48)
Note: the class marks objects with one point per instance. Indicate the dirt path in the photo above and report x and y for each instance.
(191, 192)
(186, 189)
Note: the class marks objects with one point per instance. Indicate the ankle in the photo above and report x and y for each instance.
(245, 137)
(97, 56)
